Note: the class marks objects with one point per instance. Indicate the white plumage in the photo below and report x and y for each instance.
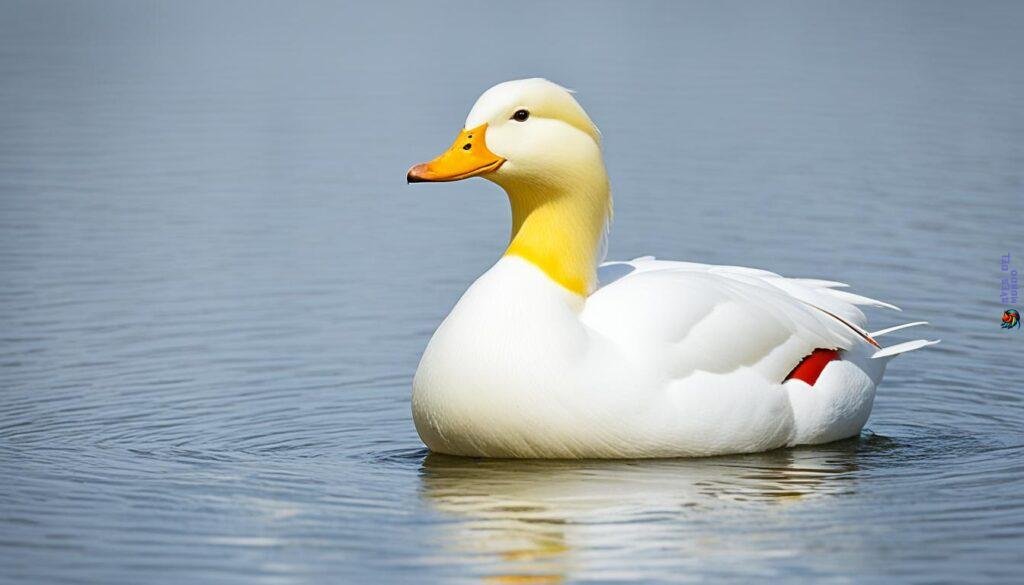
(651, 358)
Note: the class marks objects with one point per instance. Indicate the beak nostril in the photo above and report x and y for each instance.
(467, 146)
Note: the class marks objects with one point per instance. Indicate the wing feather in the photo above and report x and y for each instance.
(691, 317)
(679, 319)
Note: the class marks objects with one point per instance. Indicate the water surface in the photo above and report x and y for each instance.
(215, 286)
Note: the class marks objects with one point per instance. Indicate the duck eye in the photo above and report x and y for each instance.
(520, 115)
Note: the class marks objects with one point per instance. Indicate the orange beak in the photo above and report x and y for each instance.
(467, 157)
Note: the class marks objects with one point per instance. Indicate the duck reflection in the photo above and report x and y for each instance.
(545, 521)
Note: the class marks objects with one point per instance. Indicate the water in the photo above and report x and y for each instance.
(215, 286)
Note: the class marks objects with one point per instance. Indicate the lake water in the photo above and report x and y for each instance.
(215, 286)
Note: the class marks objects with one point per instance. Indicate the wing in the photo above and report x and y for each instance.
(697, 317)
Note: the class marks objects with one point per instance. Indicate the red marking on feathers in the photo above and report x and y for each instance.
(811, 366)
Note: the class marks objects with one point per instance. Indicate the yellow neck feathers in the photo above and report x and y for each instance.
(560, 230)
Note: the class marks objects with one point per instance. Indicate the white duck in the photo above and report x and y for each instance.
(541, 358)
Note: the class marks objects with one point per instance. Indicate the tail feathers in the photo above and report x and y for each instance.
(855, 299)
(904, 347)
(882, 332)
(818, 283)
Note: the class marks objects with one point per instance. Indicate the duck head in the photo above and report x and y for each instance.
(533, 139)
(524, 130)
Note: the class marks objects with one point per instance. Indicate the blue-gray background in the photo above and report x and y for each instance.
(215, 285)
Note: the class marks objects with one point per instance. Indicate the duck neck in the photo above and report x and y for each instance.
(560, 227)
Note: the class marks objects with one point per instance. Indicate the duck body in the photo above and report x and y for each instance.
(667, 361)
(547, 355)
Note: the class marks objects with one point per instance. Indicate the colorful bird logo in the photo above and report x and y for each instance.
(1011, 319)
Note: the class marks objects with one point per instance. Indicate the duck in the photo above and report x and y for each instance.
(554, 353)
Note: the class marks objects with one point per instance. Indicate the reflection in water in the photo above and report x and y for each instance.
(546, 521)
